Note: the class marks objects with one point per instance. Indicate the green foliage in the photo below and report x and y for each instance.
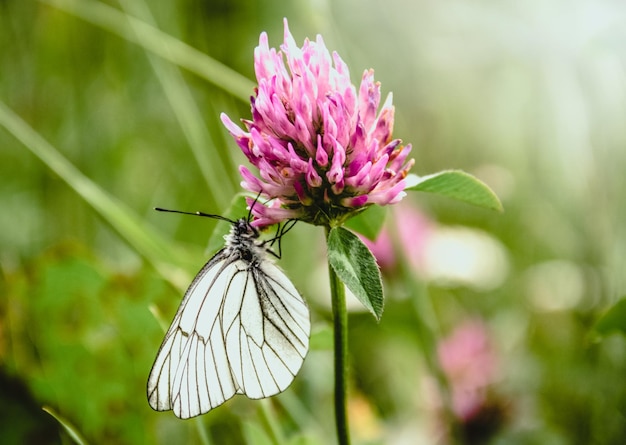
(71, 430)
(369, 222)
(356, 267)
(255, 435)
(458, 185)
(321, 338)
(78, 329)
(157, 42)
(614, 320)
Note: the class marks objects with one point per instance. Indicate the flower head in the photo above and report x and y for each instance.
(322, 149)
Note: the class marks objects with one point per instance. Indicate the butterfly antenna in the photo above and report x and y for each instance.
(287, 227)
(249, 218)
(207, 215)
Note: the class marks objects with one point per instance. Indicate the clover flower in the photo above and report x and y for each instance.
(322, 149)
(469, 361)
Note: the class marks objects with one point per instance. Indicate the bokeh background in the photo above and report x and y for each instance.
(488, 332)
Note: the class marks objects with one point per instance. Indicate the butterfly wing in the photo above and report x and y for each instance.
(241, 328)
(269, 338)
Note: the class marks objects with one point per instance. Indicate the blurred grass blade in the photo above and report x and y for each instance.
(71, 430)
(203, 437)
(189, 118)
(254, 435)
(301, 415)
(236, 209)
(159, 43)
(158, 316)
(459, 185)
(268, 419)
(614, 320)
(144, 240)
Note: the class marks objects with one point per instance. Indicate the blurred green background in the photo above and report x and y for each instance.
(103, 117)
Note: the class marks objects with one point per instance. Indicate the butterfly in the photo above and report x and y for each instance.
(241, 328)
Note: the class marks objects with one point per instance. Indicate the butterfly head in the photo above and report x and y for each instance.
(242, 229)
(241, 241)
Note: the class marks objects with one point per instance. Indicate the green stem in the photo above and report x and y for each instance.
(340, 322)
(428, 331)
(428, 334)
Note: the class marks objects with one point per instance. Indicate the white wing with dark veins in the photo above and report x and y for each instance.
(242, 328)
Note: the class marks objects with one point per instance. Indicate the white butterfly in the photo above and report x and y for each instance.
(242, 328)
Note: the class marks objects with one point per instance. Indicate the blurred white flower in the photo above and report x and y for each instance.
(554, 285)
(455, 256)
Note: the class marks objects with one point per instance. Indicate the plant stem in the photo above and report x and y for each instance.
(428, 331)
(340, 322)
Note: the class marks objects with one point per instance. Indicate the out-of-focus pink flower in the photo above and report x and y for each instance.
(468, 359)
(322, 149)
(382, 249)
(410, 229)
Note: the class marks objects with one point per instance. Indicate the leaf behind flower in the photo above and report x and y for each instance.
(369, 222)
(614, 320)
(458, 185)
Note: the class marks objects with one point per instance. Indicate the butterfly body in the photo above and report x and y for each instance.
(241, 328)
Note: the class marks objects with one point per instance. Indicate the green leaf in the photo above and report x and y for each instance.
(355, 265)
(459, 185)
(369, 222)
(614, 320)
